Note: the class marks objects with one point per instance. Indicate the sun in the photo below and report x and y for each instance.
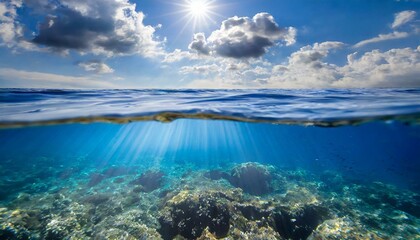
(199, 12)
(198, 8)
(197, 15)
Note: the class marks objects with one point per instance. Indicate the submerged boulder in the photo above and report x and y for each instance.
(216, 175)
(150, 180)
(253, 178)
(298, 224)
(188, 214)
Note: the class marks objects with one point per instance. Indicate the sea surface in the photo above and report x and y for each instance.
(210, 164)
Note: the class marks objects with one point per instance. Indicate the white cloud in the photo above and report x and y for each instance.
(11, 31)
(243, 37)
(382, 37)
(307, 68)
(17, 78)
(96, 66)
(393, 68)
(101, 27)
(200, 69)
(178, 55)
(402, 18)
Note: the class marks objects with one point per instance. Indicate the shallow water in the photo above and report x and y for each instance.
(203, 178)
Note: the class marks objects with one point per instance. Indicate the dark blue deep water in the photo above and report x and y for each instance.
(201, 164)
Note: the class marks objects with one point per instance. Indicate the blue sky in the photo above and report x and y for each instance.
(209, 44)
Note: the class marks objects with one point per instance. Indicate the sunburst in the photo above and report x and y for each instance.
(198, 14)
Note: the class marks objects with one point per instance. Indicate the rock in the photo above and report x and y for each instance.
(117, 171)
(188, 214)
(216, 175)
(298, 224)
(95, 179)
(118, 180)
(253, 178)
(97, 199)
(252, 212)
(17, 224)
(60, 228)
(10, 233)
(150, 180)
(341, 228)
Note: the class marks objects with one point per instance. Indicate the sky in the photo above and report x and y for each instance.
(236, 44)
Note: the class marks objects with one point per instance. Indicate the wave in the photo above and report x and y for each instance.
(326, 107)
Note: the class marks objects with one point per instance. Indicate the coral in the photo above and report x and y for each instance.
(252, 212)
(95, 179)
(128, 225)
(17, 224)
(116, 171)
(341, 228)
(189, 213)
(298, 224)
(97, 199)
(205, 205)
(216, 175)
(60, 228)
(150, 180)
(253, 178)
(118, 180)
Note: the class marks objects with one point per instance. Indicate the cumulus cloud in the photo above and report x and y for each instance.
(243, 37)
(402, 18)
(96, 66)
(393, 68)
(308, 68)
(11, 31)
(312, 55)
(200, 69)
(199, 44)
(106, 27)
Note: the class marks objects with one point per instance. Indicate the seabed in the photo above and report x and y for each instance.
(237, 201)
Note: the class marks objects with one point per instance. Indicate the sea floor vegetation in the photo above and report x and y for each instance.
(240, 201)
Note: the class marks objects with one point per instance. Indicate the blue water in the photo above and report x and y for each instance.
(306, 139)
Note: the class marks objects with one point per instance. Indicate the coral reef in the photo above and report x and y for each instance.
(253, 178)
(244, 201)
(189, 213)
(150, 180)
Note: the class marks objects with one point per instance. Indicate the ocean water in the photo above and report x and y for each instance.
(210, 164)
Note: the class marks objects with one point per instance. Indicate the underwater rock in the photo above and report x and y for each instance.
(95, 179)
(298, 224)
(67, 173)
(117, 171)
(118, 180)
(150, 180)
(128, 225)
(253, 178)
(252, 212)
(97, 199)
(10, 233)
(60, 228)
(207, 235)
(17, 224)
(341, 228)
(188, 214)
(216, 175)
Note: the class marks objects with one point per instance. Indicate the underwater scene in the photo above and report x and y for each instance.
(210, 164)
